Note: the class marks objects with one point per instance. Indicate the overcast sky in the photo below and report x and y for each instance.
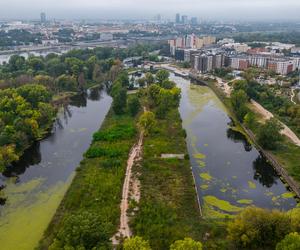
(103, 9)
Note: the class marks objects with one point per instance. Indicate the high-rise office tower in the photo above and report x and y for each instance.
(177, 19)
(43, 17)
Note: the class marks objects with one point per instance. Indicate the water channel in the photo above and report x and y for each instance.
(34, 187)
(229, 172)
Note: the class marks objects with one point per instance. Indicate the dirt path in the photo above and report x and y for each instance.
(292, 97)
(267, 115)
(131, 191)
(224, 86)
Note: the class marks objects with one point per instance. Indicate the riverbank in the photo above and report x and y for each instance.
(93, 199)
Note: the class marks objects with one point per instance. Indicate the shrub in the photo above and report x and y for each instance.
(119, 132)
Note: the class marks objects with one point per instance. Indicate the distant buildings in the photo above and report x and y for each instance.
(205, 55)
(190, 42)
(177, 18)
(184, 19)
(194, 21)
(43, 17)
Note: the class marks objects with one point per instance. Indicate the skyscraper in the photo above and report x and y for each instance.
(194, 21)
(184, 19)
(43, 17)
(177, 19)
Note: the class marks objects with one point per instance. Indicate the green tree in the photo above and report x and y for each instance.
(149, 78)
(142, 82)
(83, 230)
(66, 83)
(134, 105)
(239, 100)
(34, 94)
(186, 244)
(36, 63)
(290, 242)
(147, 122)
(136, 243)
(120, 101)
(167, 84)
(256, 228)
(7, 155)
(162, 75)
(269, 134)
(249, 120)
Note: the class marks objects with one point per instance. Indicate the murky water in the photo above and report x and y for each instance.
(35, 185)
(230, 173)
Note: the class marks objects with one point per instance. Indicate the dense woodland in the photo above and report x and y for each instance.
(29, 87)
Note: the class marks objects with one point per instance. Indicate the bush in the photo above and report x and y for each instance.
(119, 132)
(136, 243)
(94, 152)
(186, 244)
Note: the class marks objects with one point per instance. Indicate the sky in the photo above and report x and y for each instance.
(129, 9)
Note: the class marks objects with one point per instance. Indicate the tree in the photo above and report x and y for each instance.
(167, 84)
(82, 230)
(153, 93)
(239, 99)
(35, 63)
(147, 122)
(66, 83)
(7, 155)
(256, 228)
(120, 101)
(134, 105)
(34, 94)
(186, 244)
(249, 120)
(162, 75)
(136, 243)
(142, 82)
(269, 134)
(149, 78)
(290, 242)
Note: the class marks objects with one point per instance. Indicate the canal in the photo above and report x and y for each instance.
(33, 188)
(229, 172)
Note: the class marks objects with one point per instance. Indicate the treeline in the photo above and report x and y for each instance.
(18, 37)
(25, 114)
(74, 70)
(284, 37)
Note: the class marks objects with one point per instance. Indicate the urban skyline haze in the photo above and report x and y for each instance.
(137, 9)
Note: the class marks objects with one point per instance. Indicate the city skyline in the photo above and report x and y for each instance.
(129, 9)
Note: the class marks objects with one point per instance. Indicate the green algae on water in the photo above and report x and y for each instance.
(245, 201)
(204, 187)
(206, 176)
(287, 195)
(19, 214)
(199, 156)
(221, 204)
(251, 185)
(201, 164)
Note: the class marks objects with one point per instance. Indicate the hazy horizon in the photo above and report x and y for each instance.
(133, 9)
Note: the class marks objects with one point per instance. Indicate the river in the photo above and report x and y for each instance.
(34, 186)
(229, 172)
